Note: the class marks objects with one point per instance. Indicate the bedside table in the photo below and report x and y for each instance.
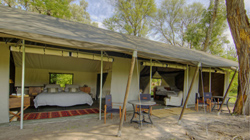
(16, 103)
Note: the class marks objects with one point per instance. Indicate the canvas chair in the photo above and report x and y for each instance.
(206, 100)
(146, 97)
(108, 108)
(199, 101)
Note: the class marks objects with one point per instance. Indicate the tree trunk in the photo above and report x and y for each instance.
(210, 28)
(240, 30)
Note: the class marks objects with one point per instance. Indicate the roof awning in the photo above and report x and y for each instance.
(49, 30)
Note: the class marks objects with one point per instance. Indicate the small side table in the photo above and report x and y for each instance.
(145, 103)
(15, 102)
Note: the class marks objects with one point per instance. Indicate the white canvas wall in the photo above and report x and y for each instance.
(191, 71)
(4, 82)
(39, 77)
(120, 72)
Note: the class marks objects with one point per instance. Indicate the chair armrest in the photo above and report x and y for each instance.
(173, 98)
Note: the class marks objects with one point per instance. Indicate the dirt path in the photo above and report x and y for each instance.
(193, 126)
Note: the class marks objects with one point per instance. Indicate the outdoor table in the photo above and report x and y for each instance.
(141, 103)
(218, 102)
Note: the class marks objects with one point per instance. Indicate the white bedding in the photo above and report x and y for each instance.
(167, 93)
(63, 99)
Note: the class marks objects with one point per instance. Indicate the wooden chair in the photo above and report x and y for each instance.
(206, 100)
(199, 101)
(146, 97)
(108, 108)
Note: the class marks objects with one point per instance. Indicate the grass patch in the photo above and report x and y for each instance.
(233, 96)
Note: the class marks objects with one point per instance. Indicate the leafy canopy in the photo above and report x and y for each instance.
(196, 33)
(64, 9)
(172, 19)
(131, 17)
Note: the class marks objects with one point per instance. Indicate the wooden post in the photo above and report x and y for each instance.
(23, 82)
(127, 92)
(100, 95)
(150, 79)
(210, 80)
(189, 91)
(229, 86)
(186, 89)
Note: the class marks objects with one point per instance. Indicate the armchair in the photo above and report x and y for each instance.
(174, 100)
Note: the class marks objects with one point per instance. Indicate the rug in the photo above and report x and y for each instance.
(56, 114)
(170, 112)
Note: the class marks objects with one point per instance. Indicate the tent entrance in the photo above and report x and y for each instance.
(217, 83)
(39, 68)
(165, 81)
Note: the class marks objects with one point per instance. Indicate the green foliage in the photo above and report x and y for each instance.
(168, 21)
(196, 33)
(62, 79)
(56, 8)
(231, 54)
(79, 13)
(174, 19)
(154, 83)
(131, 17)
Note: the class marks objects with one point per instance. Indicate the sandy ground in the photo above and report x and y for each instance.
(193, 126)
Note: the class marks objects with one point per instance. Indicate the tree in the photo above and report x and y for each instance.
(240, 30)
(196, 33)
(211, 23)
(131, 17)
(192, 15)
(79, 13)
(167, 22)
(56, 8)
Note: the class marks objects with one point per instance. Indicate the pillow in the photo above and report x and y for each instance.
(161, 88)
(167, 88)
(57, 86)
(73, 89)
(52, 90)
(67, 88)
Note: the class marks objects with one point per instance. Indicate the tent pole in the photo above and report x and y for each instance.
(23, 80)
(100, 105)
(189, 91)
(229, 86)
(127, 92)
(210, 80)
(150, 79)
(187, 73)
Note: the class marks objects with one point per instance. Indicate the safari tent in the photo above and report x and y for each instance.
(57, 45)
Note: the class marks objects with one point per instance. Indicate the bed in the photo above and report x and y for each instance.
(53, 95)
(166, 91)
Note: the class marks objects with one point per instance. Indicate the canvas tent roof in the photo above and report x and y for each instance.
(49, 30)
